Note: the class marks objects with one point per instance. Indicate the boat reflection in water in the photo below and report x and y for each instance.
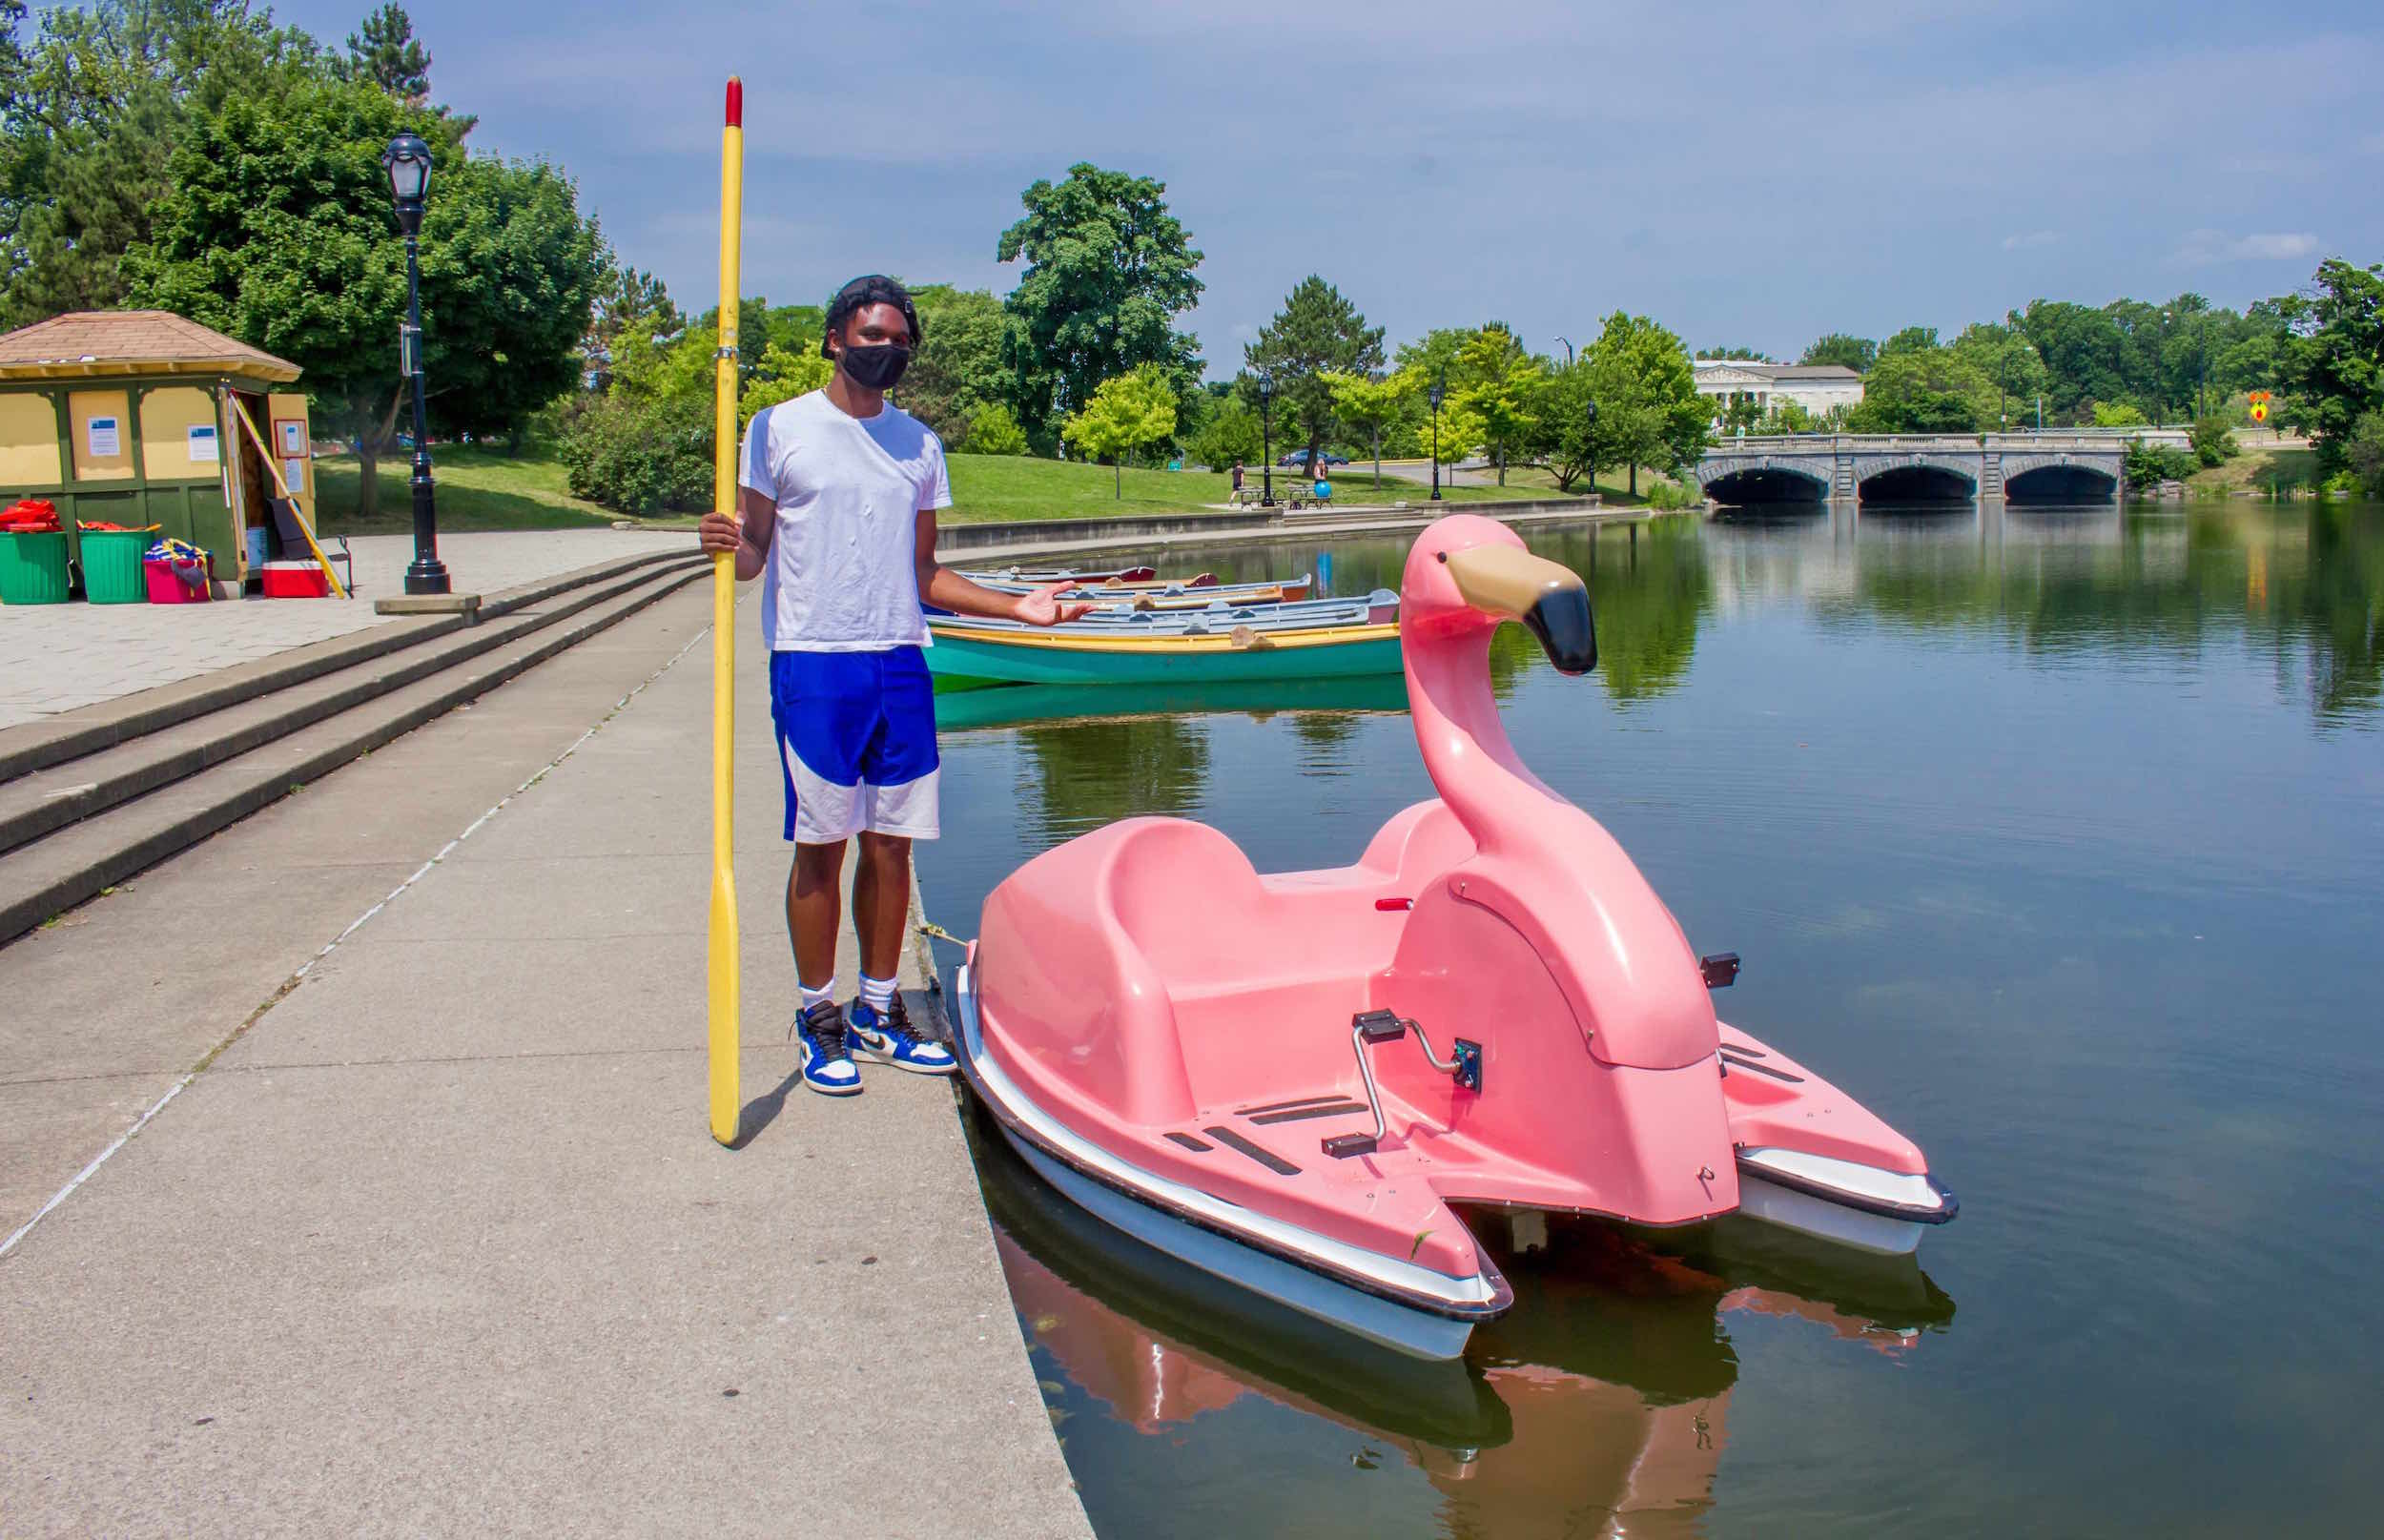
(1597, 1405)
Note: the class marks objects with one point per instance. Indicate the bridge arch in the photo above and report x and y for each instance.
(2056, 478)
(1915, 478)
(1749, 483)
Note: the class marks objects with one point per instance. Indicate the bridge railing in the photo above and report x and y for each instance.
(2103, 439)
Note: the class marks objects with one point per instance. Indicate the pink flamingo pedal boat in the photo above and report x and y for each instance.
(1287, 1080)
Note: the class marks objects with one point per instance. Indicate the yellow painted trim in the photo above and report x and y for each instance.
(1314, 636)
(148, 369)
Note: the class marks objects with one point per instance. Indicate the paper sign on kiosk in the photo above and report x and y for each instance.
(203, 445)
(104, 442)
(294, 476)
(292, 437)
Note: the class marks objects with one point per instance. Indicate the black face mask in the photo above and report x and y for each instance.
(875, 365)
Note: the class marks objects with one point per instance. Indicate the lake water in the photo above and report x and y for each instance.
(2057, 836)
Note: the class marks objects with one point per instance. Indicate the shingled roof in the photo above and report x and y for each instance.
(103, 342)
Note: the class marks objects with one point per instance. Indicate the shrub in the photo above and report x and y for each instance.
(2213, 439)
(2149, 464)
(2365, 453)
(993, 431)
(1671, 496)
(640, 457)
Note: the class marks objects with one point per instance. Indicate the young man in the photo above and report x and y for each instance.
(837, 493)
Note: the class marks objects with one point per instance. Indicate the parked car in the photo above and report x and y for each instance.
(1300, 457)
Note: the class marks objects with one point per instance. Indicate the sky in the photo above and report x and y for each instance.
(1750, 174)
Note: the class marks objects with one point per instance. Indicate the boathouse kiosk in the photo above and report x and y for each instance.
(135, 418)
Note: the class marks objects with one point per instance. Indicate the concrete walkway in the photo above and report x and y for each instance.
(435, 1241)
(56, 657)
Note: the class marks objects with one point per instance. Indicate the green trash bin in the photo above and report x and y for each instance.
(111, 567)
(32, 568)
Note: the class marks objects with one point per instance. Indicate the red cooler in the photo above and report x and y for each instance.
(297, 580)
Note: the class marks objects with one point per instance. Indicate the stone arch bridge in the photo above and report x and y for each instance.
(2077, 466)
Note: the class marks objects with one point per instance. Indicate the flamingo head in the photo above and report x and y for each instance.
(1467, 574)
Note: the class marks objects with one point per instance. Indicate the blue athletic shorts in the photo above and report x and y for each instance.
(856, 739)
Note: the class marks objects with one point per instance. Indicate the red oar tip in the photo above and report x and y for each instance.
(736, 102)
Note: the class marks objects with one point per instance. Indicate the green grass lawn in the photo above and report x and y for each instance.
(484, 489)
(2258, 468)
(990, 488)
(478, 489)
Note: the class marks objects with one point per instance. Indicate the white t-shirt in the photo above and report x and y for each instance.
(842, 575)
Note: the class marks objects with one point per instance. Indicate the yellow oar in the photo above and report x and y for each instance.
(725, 1108)
(296, 513)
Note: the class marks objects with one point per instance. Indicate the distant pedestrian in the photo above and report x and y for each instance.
(1237, 481)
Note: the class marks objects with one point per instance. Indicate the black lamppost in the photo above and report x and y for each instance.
(2160, 369)
(1266, 438)
(1440, 387)
(1591, 416)
(407, 161)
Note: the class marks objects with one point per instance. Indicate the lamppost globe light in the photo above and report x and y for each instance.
(407, 163)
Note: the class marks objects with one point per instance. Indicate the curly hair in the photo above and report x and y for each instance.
(871, 289)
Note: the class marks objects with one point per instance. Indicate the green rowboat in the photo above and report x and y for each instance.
(963, 656)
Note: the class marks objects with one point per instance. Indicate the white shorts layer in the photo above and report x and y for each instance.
(826, 812)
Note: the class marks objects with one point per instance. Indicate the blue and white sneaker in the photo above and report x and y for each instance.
(890, 1038)
(820, 1052)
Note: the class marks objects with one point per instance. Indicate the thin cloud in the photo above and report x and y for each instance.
(2030, 241)
(2203, 247)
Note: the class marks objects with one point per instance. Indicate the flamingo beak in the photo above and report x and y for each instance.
(1547, 600)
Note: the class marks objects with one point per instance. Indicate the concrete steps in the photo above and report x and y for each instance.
(96, 796)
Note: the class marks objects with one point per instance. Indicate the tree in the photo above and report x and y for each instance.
(1108, 271)
(1502, 387)
(2003, 355)
(1911, 339)
(2081, 350)
(277, 231)
(1855, 352)
(1132, 411)
(2337, 357)
(993, 431)
(91, 114)
(780, 375)
(2363, 453)
(627, 300)
(957, 369)
(387, 57)
(1744, 354)
(1369, 404)
(1648, 409)
(1315, 334)
(1930, 390)
(1231, 433)
(1566, 439)
(1434, 354)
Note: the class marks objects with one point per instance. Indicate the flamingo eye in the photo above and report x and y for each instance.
(1442, 556)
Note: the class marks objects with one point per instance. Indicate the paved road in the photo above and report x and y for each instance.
(436, 1242)
(56, 657)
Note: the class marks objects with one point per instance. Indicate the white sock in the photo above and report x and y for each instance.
(877, 993)
(812, 996)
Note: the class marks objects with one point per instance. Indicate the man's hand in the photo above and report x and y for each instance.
(720, 534)
(1044, 606)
